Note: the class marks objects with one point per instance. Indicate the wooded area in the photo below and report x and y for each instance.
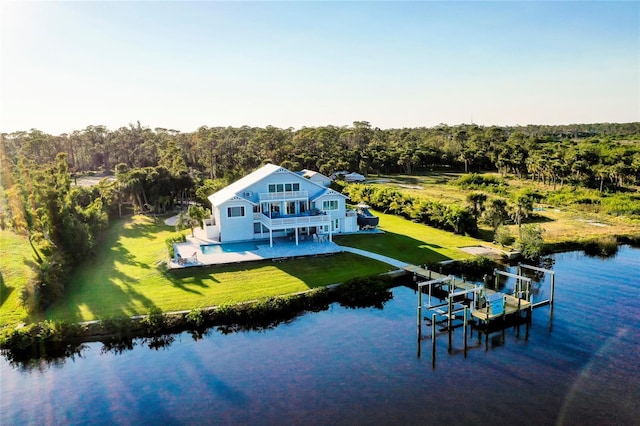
(595, 155)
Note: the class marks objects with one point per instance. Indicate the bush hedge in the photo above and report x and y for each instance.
(450, 217)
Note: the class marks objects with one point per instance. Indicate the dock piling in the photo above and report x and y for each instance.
(464, 333)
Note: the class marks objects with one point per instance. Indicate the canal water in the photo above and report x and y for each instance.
(361, 366)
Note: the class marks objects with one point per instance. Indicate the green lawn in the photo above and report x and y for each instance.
(128, 277)
(410, 242)
(15, 258)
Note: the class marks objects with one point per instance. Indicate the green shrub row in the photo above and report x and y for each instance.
(473, 269)
(487, 182)
(449, 217)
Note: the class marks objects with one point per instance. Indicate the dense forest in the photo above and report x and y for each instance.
(156, 168)
(595, 155)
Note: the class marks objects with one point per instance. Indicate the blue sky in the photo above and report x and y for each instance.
(181, 65)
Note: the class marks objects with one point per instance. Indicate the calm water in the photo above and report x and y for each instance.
(345, 366)
(228, 248)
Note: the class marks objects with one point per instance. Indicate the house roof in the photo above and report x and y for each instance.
(310, 173)
(327, 191)
(237, 188)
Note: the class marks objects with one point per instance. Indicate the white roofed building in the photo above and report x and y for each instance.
(275, 202)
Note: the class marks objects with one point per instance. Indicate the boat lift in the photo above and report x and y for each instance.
(485, 305)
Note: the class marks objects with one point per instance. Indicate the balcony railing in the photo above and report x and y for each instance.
(287, 195)
(293, 221)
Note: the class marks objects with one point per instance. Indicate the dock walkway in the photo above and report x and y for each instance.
(502, 304)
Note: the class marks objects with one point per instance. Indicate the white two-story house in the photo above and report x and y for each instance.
(275, 202)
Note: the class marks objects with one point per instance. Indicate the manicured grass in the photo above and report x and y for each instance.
(15, 255)
(128, 277)
(411, 242)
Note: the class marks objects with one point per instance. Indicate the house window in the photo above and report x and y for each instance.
(276, 187)
(258, 227)
(235, 211)
(282, 187)
(330, 205)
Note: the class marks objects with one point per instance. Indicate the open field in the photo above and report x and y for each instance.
(562, 223)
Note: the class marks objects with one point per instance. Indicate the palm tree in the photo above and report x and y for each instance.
(477, 200)
(496, 213)
(191, 218)
(521, 210)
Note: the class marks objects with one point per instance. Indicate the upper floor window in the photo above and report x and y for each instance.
(235, 211)
(330, 205)
(282, 187)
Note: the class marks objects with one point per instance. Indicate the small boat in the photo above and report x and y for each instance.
(365, 218)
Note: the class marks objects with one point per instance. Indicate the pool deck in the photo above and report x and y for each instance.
(282, 249)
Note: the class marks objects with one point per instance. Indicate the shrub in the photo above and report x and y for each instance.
(602, 247)
(364, 292)
(531, 241)
(503, 236)
(47, 284)
(474, 269)
(180, 238)
(450, 217)
(155, 322)
(118, 327)
(476, 181)
(195, 317)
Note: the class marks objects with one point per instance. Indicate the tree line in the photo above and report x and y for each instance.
(604, 156)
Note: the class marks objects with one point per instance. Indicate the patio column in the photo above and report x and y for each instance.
(270, 238)
(331, 231)
(296, 231)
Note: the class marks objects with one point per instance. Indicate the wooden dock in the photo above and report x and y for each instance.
(472, 301)
(496, 305)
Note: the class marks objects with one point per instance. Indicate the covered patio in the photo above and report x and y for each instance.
(300, 224)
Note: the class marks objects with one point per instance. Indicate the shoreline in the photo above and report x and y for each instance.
(62, 334)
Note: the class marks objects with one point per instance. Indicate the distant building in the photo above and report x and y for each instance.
(353, 177)
(316, 177)
(347, 176)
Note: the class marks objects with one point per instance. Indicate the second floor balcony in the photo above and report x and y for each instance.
(309, 218)
(286, 195)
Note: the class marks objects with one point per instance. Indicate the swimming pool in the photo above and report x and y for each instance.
(228, 248)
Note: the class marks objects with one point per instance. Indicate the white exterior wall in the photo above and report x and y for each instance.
(235, 228)
(338, 214)
(213, 231)
(351, 223)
